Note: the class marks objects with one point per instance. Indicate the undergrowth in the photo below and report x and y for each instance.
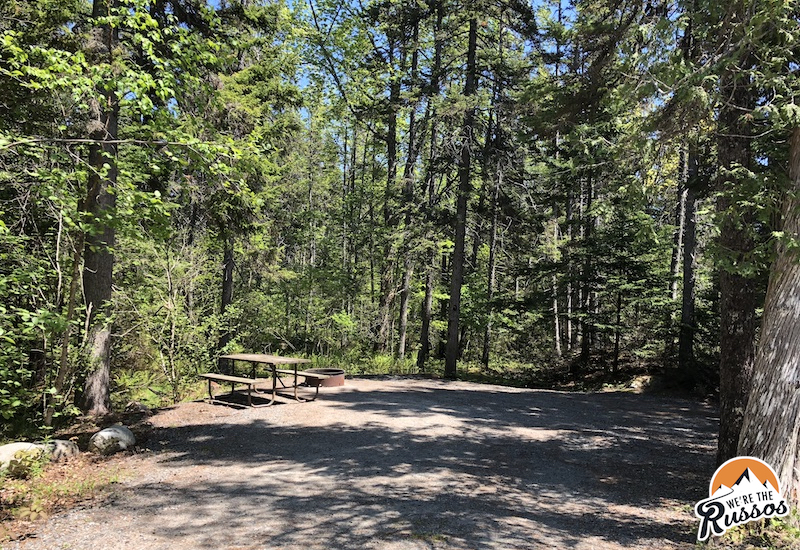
(771, 534)
(52, 488)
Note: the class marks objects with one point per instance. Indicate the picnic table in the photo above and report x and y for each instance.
(252, 381)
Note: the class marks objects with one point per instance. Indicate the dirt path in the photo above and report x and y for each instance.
(411, 464)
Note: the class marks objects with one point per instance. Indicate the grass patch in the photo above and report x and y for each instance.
(57, 487)
(770, 534)
(370, 365)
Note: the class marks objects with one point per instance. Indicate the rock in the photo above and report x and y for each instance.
(112, 440)
(135, 406)
(8, 451)
(59, 449)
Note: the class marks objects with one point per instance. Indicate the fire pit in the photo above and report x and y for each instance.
(335, 377)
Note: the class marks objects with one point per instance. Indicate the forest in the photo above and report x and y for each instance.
(557, 193)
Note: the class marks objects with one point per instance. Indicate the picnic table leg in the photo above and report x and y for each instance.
(273, 369)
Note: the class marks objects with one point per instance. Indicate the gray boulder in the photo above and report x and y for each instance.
(112, 440)
(59, 449)
(8, 452)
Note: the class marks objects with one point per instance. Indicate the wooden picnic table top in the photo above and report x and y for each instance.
(268, 359)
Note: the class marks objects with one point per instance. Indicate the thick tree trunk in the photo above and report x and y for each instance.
(771, 430)
(100, 204)
(464, 177)
(738, 292)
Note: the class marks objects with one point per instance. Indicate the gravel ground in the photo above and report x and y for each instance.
(407, 464)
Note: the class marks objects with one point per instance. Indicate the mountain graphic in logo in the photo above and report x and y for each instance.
(743, 489)
(746, 484)
(742, 468)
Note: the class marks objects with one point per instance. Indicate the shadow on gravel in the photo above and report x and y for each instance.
(446, 468)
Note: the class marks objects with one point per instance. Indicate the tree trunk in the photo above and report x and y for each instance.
(427, 312)
(225, 365)
(675, 262)
(556, 320)
(390, 219)
(770, 429)
(428, 182)
(738, 292)
(372, 228)
(405, 295)
(63, 363)
(617, 333)
(409, 178)
(100, 205)
(386, 300)
(686, 334)
(492, 271)
(685, 237)
(568, 263)
(680, 218)
(586, 290)
(464, 173)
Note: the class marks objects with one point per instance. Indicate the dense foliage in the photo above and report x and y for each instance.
(545, 191)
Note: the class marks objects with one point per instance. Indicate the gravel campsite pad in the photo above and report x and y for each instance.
(402, 464)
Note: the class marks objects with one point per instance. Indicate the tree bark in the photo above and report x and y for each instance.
(556, 320)
(225, 365)
(63, 362)
(568, 264)
(689, 224)
(405, 295)
(409, 178)
(427, 312)
(492, 271)
(675, 262)
(586, 290)
(617, 332)
(677, 246)
(428, 182)
(738, 292)
(464, 177)
(387, 294)
(770, 429)
(100, 205)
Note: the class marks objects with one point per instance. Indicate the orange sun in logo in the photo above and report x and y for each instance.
(730, 472)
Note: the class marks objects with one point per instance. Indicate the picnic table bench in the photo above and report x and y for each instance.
(252, 381)
(233, 380)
